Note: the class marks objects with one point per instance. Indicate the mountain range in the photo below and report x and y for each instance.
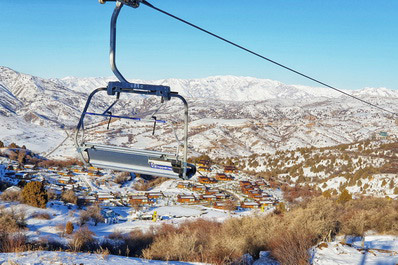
(230, 115)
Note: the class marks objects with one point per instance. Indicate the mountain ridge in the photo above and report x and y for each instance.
(280, 117)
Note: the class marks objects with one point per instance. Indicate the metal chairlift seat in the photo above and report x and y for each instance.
(135, 160)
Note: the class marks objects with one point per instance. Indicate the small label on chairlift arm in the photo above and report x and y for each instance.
(153, 165)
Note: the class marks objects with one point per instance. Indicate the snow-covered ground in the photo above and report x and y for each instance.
(373, 250)
(56, 257)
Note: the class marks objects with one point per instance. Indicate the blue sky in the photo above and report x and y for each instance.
(350, 44)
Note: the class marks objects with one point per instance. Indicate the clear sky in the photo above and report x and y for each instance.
(350, 44)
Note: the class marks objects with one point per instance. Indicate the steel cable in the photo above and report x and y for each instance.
(265, 58)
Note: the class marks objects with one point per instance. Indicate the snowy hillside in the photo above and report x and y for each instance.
(230, 116)
(58, 257)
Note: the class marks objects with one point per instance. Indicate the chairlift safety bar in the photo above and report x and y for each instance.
(125, 117)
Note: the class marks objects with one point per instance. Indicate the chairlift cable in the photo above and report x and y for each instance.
(265, 58)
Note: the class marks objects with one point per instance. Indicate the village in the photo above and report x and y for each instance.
(222, 188)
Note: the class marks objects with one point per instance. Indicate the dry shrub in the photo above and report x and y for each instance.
(197, 240)
(60, 163)
(69, 196)
(41, 215)
(11, 221)
(82, 240)
(11, 242)
(179, 247)
(69, 228)
(290, 247)
(122, 177)
(92, 213)
(291, 194)
(137, 241)
(11, 196)
(131, 244)
(52, 195)
(354, 223)
(148, 182)
(208, 241)
(104, 252)
(378, 214)
(288, 235)
(116, 235)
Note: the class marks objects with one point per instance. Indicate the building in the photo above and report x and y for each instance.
(204, 163)
(139, 200)
(183, 185)
(230, 169)
(212, 191)
(186, 199)
(154, 196)
(208, 197)
(221, 196)
(224, 177)
(204, 169)
(244, 183)
(105, 196)
(201, 188)
(267, 202)
(206, 180)
(225, 205)
(249, 205)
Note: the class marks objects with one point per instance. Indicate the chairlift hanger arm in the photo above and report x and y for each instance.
(132, 3)
(112, 52)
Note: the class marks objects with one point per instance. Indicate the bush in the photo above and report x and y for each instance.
(11, 196)
(52, 195)
(69, 196)
(60, 163)
(345, 196)
(291, 247)
(35, 194)
(41, 215)
(122, 177)
(11, 221)
(147, 183)
(288, 236)
(10, 242)
(92, 213)
(82, 240)
(69, 228)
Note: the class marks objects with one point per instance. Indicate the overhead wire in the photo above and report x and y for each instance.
(266, 58)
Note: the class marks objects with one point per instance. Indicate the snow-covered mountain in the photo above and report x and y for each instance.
(229, 88)
(230, 116)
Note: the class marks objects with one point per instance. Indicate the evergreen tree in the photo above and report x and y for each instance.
(327, 194)
(344, 197)
(35, 194)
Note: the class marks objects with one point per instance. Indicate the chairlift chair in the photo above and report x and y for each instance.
(128, 159)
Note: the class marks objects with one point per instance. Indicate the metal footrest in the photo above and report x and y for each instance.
(134, 160)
